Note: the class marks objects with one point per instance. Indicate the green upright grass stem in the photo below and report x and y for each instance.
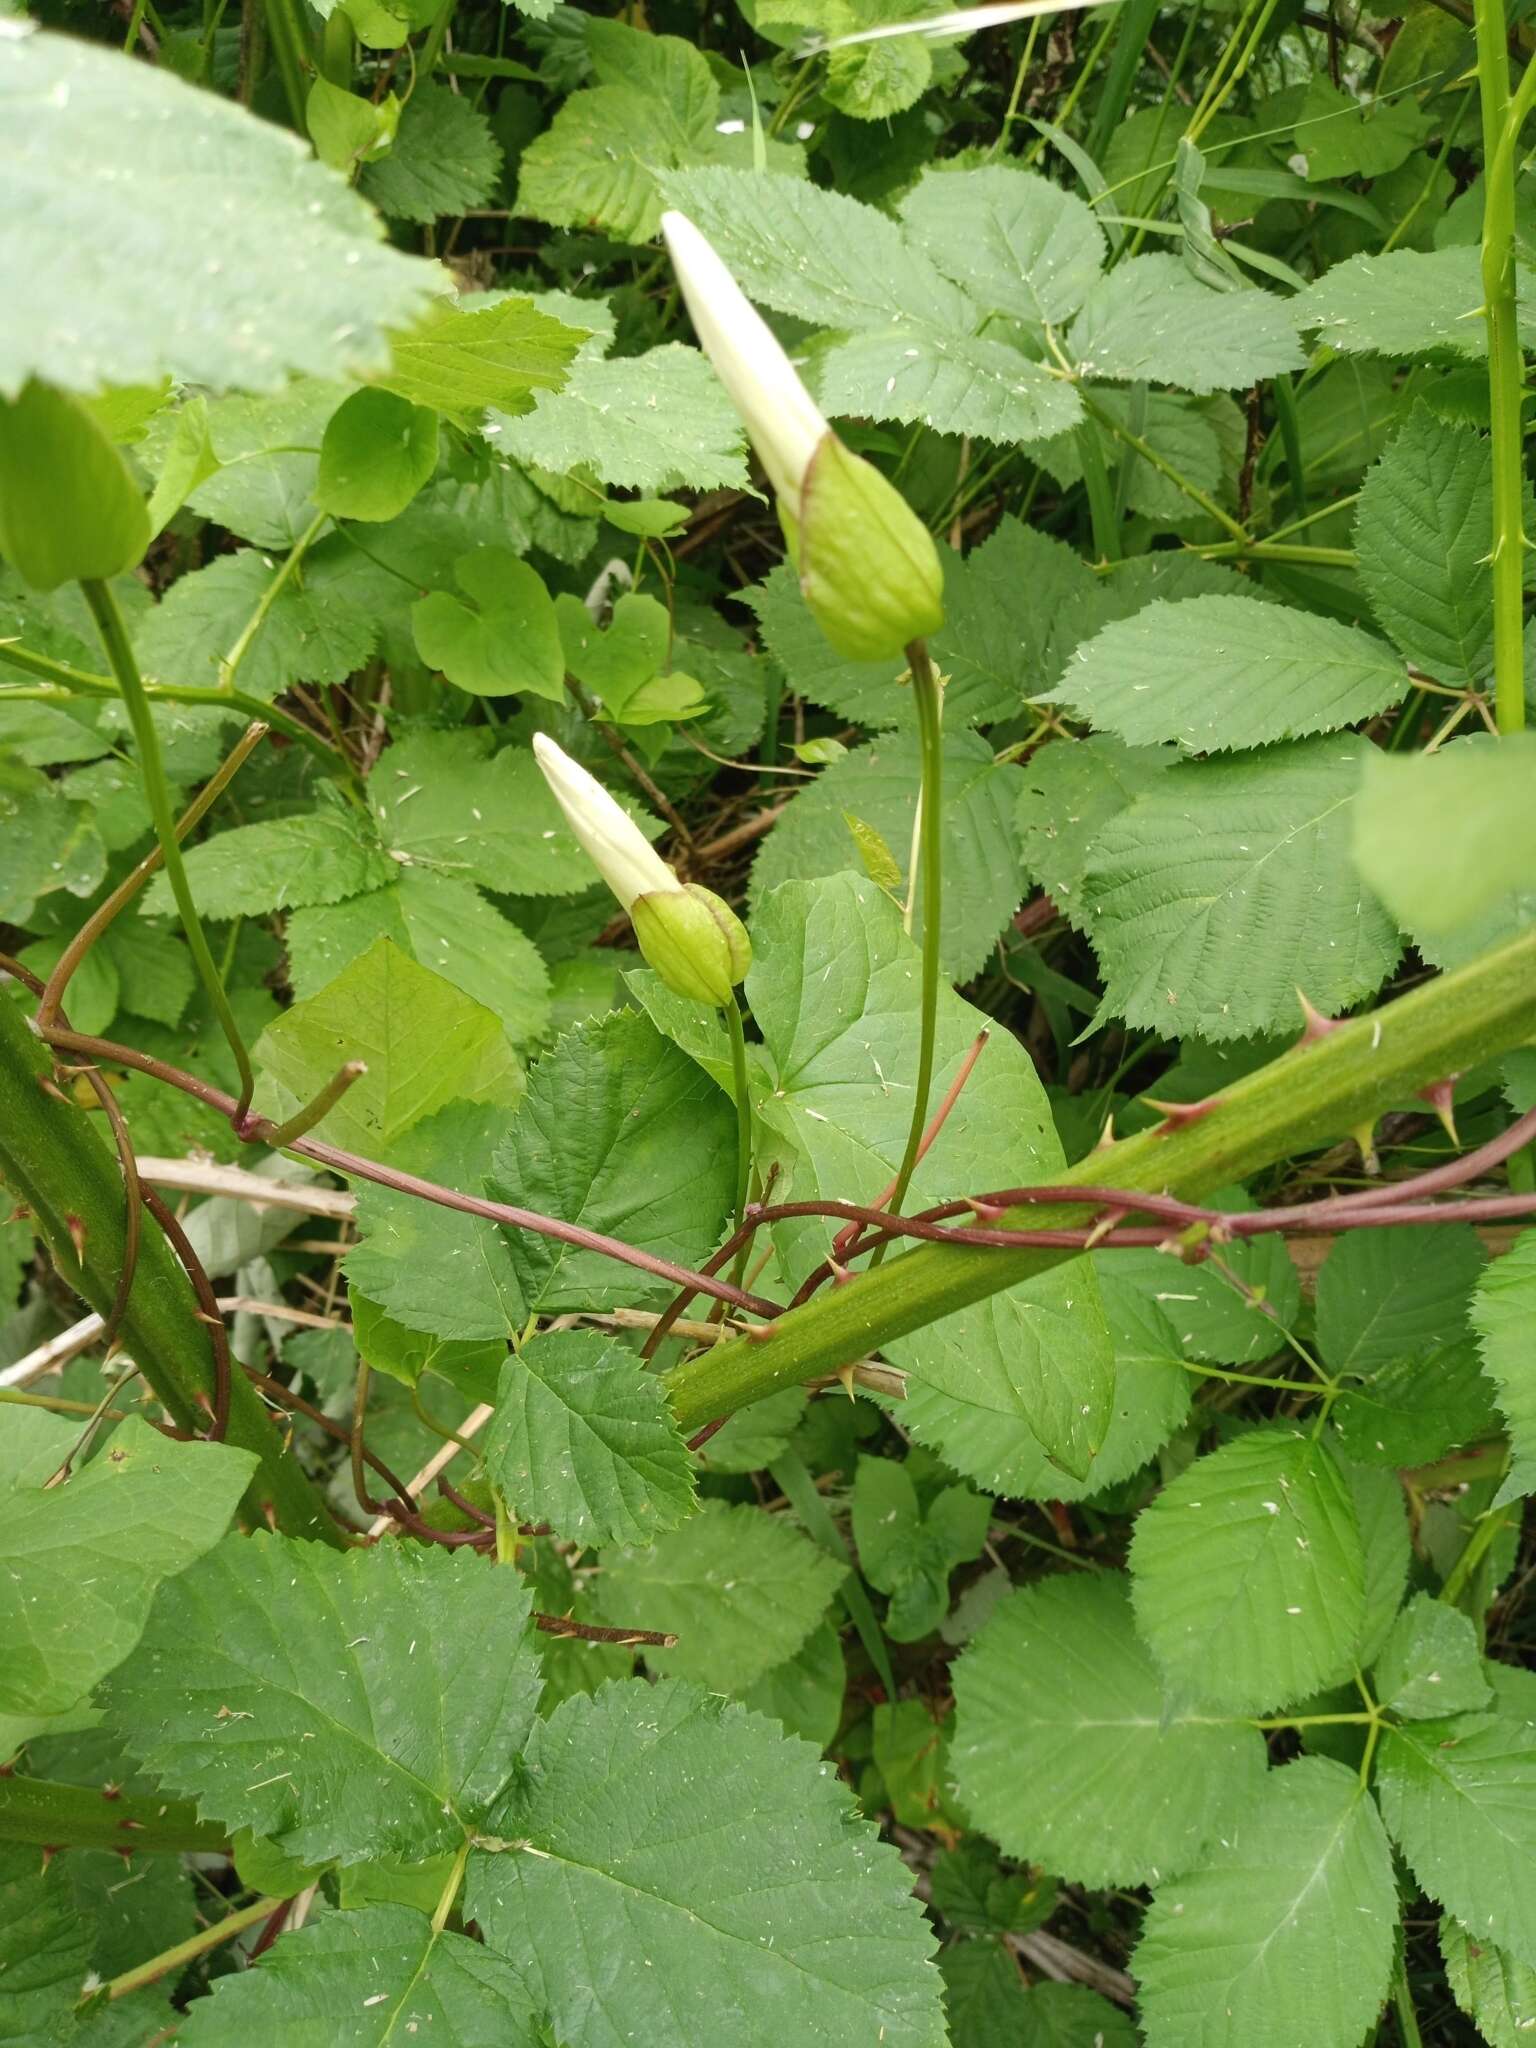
(739, 1089)
(114, 638)
(1501, 126)
(1308, 1097)
(925, 688)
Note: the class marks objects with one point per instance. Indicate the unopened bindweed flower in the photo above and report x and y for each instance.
(867, 564)
(695, 942)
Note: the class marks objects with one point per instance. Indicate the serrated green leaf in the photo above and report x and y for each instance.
(970, 1889)
(1492, 1989)
(1431, 1664)
(283, 270)
(289, 863)
(599, 162)
(446, 805)
(45, 1948)
(154, 970)
(805, 1693)
(1423, 539)
(907, 1553)
(1236, 1313)
(1219, 673)
(1012, 241)
(1287, 1933)
(444, 158)
(834, 990)
(81, 1562)
(1501, 1316)
(308, 635)
(1067, 1751)
(989, 2005)
(1227, 887)
(717, 1866)
(651, 1159)
(378, 451)
(1342, 137)
(878, 782)
(1069, 793)
(504, 639)
(1415, 1408)
(425, 1044)
(1249, 1574)
(261, 454)
(445, 925)
(1151, 319)
(1383, 1295)
(651, 422)
(583, 1439)
(1460, 1799)
(1404, 303)
(325, 1699)
(373, 1977)
(46, 841)
(461, 358)
(826, 258)
(434, 1269)
(954, 382)
(1442, 837)
(740, 1590)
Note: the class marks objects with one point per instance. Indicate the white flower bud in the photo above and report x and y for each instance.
(609, 837)
(782, 419)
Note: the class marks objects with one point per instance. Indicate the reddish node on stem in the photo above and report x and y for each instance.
(1107, 1135)
(1103, 1226)
(50, 1850)
(760, 1333)
(1441, 1098)
(1314, 1025)
(76, 1227)
(1178, 1115)
(111, 1791)
(20, 1214)
(840, 1274)
(984, 1212)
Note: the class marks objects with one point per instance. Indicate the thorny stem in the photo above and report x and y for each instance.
(926, 692)
(114, 638)
(1501, 125)
(53, 1816)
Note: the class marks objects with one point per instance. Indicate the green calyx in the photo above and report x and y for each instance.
(695, 942)
(868, 566)
(69, 507)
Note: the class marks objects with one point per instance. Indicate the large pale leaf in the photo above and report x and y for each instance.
(1431, 1663)
(1501, 1316)
(1286, 1934)
(1068, 1752)
(279, 267)
(424, 1042)
(444, 157)
(1219, 673)
(1150, 318)
(79, 1563)
(1424, 538)
(583, 1439)
(1403, 303)
(834, 988)
(308, 635)
(957, 383)
(715, 1867)
(1460, 1799)
(1446, 837)
(739, 1589)
(1249, 1574)
(1229, 885)
(620, 1132)
(374, 1979)
(349, 1705)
